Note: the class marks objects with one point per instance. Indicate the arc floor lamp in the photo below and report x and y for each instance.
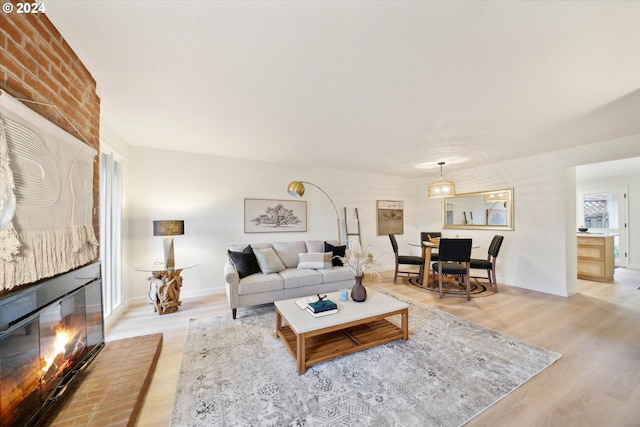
(296, 189)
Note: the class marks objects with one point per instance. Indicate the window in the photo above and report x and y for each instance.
(600, 210)
(111, 228)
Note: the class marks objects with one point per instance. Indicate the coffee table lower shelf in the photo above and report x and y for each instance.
(319, 346)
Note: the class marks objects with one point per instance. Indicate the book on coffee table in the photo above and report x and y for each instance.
(321, 306)
(302, 303)
(321, 313)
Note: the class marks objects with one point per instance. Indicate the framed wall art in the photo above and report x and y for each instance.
(274, 216)
(390, 217)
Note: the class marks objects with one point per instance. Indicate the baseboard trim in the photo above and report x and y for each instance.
(185, 293)
(201, 292)
(112, 318)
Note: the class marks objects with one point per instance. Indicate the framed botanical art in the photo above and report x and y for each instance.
(274, 216)
(390, 217)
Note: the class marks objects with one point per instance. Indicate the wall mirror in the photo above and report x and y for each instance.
(482, 210)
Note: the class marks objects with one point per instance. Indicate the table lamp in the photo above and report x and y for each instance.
(167, 229)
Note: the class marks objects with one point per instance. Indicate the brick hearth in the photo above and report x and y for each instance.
(112, 388)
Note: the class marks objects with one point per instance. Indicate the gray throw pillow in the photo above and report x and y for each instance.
(268, 261)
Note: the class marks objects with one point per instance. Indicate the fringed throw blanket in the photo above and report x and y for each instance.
(52, 173)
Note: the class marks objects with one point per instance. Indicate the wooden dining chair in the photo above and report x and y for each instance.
(454, 259)
(406, 260)
(489, 264)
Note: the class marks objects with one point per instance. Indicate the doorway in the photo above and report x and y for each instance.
(605, 211)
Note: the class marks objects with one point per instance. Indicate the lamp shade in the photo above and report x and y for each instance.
(296, 189)
(442, 187)
(172, 227)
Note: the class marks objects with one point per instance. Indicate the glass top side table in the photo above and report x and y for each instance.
(164, 285)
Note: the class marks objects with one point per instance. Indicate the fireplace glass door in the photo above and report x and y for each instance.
(40, 353)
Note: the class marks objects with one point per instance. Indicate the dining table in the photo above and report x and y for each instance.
(427, 247)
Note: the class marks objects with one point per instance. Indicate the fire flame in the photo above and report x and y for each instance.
(63, 338)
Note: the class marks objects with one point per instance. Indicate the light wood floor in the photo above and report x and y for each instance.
(595, 383)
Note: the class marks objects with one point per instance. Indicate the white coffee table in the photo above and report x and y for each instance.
(356, 326)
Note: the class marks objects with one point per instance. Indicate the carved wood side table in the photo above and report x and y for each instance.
(164, 285)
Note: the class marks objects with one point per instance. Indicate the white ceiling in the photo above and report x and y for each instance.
(378, 86)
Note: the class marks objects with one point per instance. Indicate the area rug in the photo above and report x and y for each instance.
(477, 289)
(237, 373)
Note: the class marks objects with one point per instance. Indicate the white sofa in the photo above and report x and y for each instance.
(292, 282)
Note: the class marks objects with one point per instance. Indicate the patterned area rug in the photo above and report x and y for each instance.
(477, 289)
(237, 373)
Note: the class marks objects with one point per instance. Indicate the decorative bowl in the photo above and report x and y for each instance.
(583, 229)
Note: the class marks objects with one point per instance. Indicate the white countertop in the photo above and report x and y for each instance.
(588, 234)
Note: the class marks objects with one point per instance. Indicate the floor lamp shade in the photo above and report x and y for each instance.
(296, 189)
(167, 229)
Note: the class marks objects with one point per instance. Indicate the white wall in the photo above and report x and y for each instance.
(208, 193)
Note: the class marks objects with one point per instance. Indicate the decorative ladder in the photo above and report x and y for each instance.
(346, 226)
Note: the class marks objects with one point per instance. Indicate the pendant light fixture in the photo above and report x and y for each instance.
(440, 187)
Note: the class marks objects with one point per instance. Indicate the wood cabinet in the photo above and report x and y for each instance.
(595, 258)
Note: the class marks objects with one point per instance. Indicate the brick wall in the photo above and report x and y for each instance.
(37, 64)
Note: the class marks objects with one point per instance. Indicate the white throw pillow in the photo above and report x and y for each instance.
(315, 260)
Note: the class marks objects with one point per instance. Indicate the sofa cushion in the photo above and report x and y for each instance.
(259, 283)
(315, 245)
(240, 247)
(314, 260)
(268, 261)
(337, 274)
(288, 252)
(294, 278)
(337, 251)
(244, 261)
